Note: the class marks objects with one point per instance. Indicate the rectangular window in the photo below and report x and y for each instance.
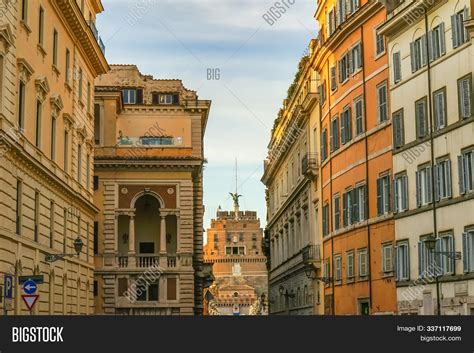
(122, 286)
(359, 204)
(468, 251)
(401, 193)
(96, 238)
(382, 103)
(88, 171)
(383, 195)
(445, 245)
(346, 127)
(96, 182)
(18, 207)
(437, 41)
(337, 268)
(355, 59)
(79, 163)
(24, 10)
(326, 219)
(333, 78)
(97, 124)
(327, 268)
(322, 93)
(55, 48)
(465, 97)
(41, 26)
(53, 138)
(335, 134)
(397, 67)
(443, 179)
(380, 43)
(51, 224)
(466, 172)
(363, 269)
(347, 208)
(344, 66)
(337, 212)
(418, 54)
(424, 186)
(36, 220)
(129, 96)
(80, 84)
(359, 116)
(171, 288)
(89, 96)
(421, 118)
(387, 258)
(350, 264)
(21, 105)
(426, 260)
(439, 104)
(398, 128)
(402, 262)
(68, 66)
(39, 114)
(66, 150)
(458, 27)
(324, 145)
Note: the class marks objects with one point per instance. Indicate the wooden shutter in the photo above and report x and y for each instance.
(455, 30)
(466, 252)
(421, 259)
(413, 56)
(396, 67)
(429, 183)
(448, 178)
(465, 88)
(379, 197)
(397, 187)
(176, 99)
(442, 36)
(466, 17)
(462, 175)
(418, 189)
(139, 96)
(431, 45)
(424, 54)
(171, 288)
(122, 286)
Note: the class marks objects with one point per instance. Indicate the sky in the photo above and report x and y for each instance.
(253, 61)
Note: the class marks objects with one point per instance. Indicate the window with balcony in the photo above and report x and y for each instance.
(402, 268)
(424, 186)
(458, 28)
(466, 172)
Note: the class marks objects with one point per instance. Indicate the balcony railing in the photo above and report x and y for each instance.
(125, 141)
(146, 261)
(312, 253)
(310, 165)
(95, 32)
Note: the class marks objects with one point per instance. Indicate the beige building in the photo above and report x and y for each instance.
(433, 155)
(149, 155)
(234, 248)
(50, 54)
(291, 178)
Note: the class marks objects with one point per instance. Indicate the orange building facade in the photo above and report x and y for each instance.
(356, 161)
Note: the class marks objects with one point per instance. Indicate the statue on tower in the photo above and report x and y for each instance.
(235, 197)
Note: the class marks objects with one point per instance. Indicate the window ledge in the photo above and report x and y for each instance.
(55, 69)
(68, 86)
(25, 27)
(41, 49)
(378, 56)
(81, 103)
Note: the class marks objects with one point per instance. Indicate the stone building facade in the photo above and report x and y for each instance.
(149, 155)
(50, 54)
(234, 248)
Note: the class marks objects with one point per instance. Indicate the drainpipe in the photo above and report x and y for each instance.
(433, 187)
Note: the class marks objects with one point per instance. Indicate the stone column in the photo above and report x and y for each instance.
(163, 234)
(131, 242)
(178, 228)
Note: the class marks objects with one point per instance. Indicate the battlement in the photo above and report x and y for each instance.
(242, 216)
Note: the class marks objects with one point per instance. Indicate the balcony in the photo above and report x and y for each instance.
(95, 32)
(144, 261)
(145, 141)
(312, 254)
(310, 165)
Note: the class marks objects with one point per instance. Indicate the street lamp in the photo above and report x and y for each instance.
(310, 272)
(78, 244)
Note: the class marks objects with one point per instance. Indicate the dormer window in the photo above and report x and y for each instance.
(132, 96)
(165, 99)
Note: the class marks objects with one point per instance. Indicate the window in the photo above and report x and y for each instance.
(402, 262)
(241, 237)
(53, 138)
(401, 193)
(355, 63)
(130, 96)
(21, 105)
(465, 97)
(382, 103)
(331, 20)
(337, 268)
(468, 251)
(347, 208)
(24, 10)
(398, 128)
(350, 264)
(387, 258)
(327, 268)
(96, 288)
(423, 186)
(426, 259)
(68, 66)
(18, 210)
(359, 204)
(97, 124)
(359, 116)
(122, 286)
(96, 182)
(89, 93)
(379, 43)
(96, 238)
(334, 134)
(418, 53)
(363, 270)
(437, 41)
(466, 172)
(39, 113)
(326, 219)
(439, 103)
(80, 85)
(333, 78)
(66, 150)
(337, 212)
(421, 118)
(79, 163)
(383, 195)
(235, 250)
(41, 26)
(445, 244)
(346, 128)
(443, 179)
(55, 48)
(36, 220)
(460, 33)
(344, 68)
(341, 11)
(353, 5)
(88, 171)
(165, 99)
(51, 224)
(322, 93)
(397, 67)
(149, 292)
(324, 145)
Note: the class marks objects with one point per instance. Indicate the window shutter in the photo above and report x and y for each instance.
(421, 259)
(412, 57)
(397, 194)
(448, 179)
(396, 262)
(462, 175)
(396, 67)
(343, 128)
(431, 45)
(466, 251)
(424, 55)
(379, 197)
(418, 189)
(465, 98)
(331, 136)
(454, 30)
(405, 192)
(387, 197)
(438, 179)
(338, 15)
(344, 210)
(355, 206)
(139, 96)
(175, 99)
(349, 125)
(442, 35)
(466, 16)
(429, 184)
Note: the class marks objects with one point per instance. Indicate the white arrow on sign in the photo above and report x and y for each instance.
(28, 287)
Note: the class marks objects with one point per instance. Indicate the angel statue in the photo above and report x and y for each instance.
(235, 197)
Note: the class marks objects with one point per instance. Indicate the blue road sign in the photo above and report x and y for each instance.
(8, 291)
(30, 287)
